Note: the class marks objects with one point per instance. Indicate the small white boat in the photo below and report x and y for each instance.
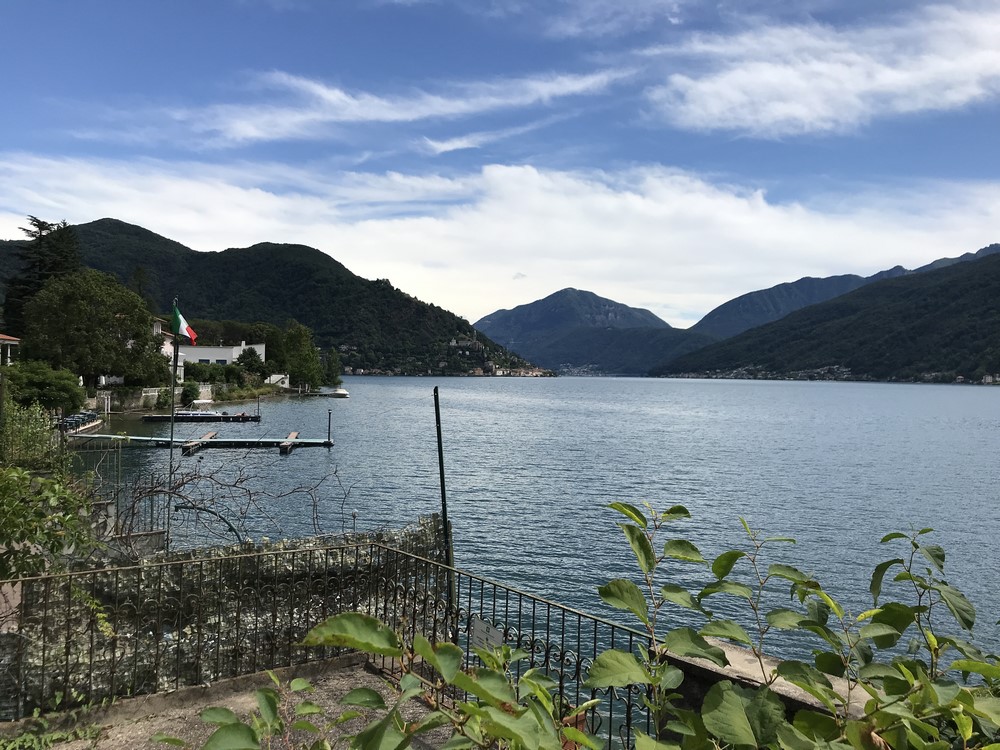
(340, 393)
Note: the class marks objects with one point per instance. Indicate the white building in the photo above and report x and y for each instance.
(218, 355)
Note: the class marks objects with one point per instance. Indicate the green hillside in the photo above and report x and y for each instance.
(940, 324)
(577, 331)
(375, 326)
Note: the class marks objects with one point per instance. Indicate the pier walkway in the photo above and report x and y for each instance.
(284, 445)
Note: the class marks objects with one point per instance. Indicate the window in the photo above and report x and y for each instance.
(221, 362)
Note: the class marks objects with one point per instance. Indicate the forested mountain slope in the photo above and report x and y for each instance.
(377, 325)
(934, 325)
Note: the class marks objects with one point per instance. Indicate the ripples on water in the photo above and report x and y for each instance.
(532, 463)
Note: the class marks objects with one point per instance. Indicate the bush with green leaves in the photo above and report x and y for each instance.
(871, 691)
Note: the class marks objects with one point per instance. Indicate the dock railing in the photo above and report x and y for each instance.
(158, 626)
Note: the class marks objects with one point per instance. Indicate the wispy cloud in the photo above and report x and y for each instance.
(482, 138)
(309, 108)
(775, 81)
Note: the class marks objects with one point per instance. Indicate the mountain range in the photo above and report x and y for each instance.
(574, 331)
(375, 326)
(934, 322)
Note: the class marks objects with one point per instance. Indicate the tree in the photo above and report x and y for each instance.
(331, 367)
(90, 324)
(53, 251)
(304, 367)
(250, 361)
(34, 382)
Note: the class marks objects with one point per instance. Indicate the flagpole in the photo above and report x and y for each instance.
(170, 469)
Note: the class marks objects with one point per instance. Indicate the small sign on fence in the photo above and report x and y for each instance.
(484, 635)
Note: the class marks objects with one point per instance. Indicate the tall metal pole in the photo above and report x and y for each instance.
(448, 551)
(170, 465)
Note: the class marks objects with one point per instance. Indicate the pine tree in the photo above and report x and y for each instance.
(52, 251)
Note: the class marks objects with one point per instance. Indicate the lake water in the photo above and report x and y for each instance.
(532, 463)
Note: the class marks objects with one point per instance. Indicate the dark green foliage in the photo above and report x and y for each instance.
(250, 361)
(90, 324)
(51, 251)
(34, 382)
(304, 366)
(374, 325)
(331, 367)
(927, 326)
(190, 392)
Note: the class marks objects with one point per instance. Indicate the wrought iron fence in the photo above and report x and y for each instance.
(158, 626)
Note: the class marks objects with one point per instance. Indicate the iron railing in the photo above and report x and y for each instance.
(156, 626)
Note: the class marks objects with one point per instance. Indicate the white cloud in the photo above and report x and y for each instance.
(315, 107)
(669, 240)
(775, 81)
(482, 138)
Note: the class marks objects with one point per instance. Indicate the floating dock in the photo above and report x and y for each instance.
(202, 418)
(284, 445)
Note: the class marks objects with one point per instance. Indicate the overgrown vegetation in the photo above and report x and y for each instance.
(871, 692)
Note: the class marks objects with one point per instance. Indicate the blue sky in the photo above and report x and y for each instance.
(667, 154)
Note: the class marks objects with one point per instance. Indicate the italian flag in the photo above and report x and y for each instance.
(181, 327)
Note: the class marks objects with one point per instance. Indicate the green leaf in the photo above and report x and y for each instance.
(380, 735)
(674, 513)
(990, 671)
(356, 631)
(680, 596)
(232, 737)
(960, 607)
(686, 642)
(879, 574)
(487, 685)
(877, 671)
(644, 742)
(219, 715)
(784, 619)
(878, 630)
(893, 535)
(726, 587)
(896, 615)
(299, 684)
(816, 725)
(641, 546)
(446, 658)
(308, 708)
(267, 704)
(682, 549)
(810, 680)
(614, 668)
(727, 629)
(364, 697)
(723, 564)
(830, 663)
(304, 725)
(934, 554)
(777, 570)
(579, 738)
(168, 740)
(630, 512)
(739, 716)
(623, 594)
